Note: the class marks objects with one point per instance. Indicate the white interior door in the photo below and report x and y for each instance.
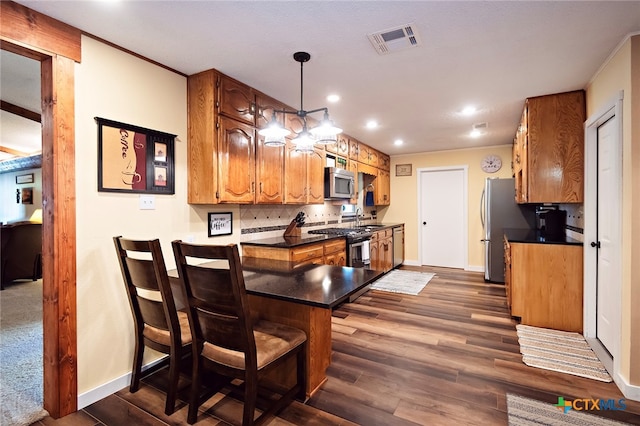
(607, 197)
(443, 217)
(603, 233)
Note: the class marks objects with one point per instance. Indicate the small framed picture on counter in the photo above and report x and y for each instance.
(220, 224)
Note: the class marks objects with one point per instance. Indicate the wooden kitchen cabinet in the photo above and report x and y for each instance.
(342, 146)
(549, 149)
(236, 161)
(335, 253)
(384, 161)
(546, 285)
(227, 160)
(352, 166)
(304, 176)
(382, 188)
(381, 250)
(353, 149)
(269, 159)
(332, 252)
(236, 100)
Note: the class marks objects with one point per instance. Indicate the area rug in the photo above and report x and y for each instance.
(21, 381)
(401, 281)
(529, 412)
(560, 351)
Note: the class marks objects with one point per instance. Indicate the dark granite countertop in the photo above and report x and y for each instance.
(323, 286)
(289, 242)
(537, 237)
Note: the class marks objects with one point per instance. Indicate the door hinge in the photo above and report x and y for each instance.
(217, 195)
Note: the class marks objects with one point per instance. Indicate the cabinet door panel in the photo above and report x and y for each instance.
(236, 163)
(315, 176)
(236, 100)
(353, 149)
(295, 181)
(269, 173)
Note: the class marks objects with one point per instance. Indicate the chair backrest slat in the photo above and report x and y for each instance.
(143, 274)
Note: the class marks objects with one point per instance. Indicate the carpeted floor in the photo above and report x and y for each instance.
(402, 281)
(530, 412)
(560, 351)
(21, 382)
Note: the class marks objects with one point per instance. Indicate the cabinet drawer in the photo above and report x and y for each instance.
(334, 246)
(307, 252)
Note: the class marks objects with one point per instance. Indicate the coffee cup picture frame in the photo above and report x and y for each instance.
(134, 159)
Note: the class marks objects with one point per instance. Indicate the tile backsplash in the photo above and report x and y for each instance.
(575, 220)
(265, 221)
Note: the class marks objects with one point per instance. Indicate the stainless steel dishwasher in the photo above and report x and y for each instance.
(398, 246)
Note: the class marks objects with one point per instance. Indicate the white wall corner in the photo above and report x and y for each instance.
(628, 390)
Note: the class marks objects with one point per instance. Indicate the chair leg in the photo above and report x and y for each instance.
(194, 399)
(137, 366)
(174, 375)
(250, 400)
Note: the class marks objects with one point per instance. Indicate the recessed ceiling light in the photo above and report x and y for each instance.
(475, 133)
(333, 98)
(372, 124)
(468, 110)
(398, 142)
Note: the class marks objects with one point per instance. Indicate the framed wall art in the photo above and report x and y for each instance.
(220, 224)
(134, 159)
(28, 178)
(403, 169)
(27, 195)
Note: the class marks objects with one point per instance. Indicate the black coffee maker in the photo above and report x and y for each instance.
(551, 221)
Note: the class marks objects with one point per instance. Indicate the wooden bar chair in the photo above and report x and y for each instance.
(226, 338)
(158, 324)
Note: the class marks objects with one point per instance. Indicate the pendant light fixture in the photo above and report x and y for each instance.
(323, 134)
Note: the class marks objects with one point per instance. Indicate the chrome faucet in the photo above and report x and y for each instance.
(358, 213)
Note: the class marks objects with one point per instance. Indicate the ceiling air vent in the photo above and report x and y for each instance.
(394, 39)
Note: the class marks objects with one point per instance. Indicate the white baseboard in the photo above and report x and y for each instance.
(470, 268)
(473, 268)
(103, 391)
(628, 390)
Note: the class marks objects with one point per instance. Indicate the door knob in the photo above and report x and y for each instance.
(594, 244)
(424, 223)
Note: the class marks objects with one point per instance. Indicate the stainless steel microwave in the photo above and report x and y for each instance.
(338, 183)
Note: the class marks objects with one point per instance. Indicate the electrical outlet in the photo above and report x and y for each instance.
(147, 202)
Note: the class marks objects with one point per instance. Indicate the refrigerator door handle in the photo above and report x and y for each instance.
(482, 212)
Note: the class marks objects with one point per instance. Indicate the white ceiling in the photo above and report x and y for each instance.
(489, 54)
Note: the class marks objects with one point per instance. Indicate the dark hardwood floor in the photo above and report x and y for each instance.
(448, 356)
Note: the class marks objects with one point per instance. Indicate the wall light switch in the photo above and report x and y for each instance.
(147, 202)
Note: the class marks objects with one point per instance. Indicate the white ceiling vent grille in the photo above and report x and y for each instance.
(394, 39)
(480, 126)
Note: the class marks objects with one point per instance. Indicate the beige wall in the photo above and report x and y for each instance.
(404, 194)
(117, 86)
(622, 72)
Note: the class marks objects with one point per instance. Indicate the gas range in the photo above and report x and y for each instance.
(353, 235)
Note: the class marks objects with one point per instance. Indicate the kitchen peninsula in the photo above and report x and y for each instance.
(300, 296)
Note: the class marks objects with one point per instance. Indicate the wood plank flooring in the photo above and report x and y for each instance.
(447, 356)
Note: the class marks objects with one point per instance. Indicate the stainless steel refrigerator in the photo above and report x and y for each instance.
(500, 211)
